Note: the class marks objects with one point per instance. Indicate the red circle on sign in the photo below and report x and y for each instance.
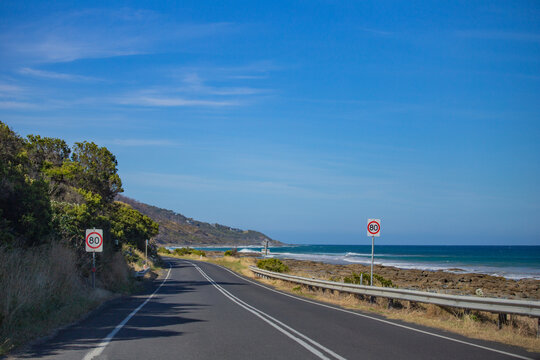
(100, 243)
(373, 233)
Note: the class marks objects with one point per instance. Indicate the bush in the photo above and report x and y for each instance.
(272, 264)
(188, 251)
(355, 279)
(163, 250)
(232, 252)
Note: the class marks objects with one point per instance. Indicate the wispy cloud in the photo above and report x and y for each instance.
(499, 35)
(171, 102)
(142, 142)
(100, 34)
(201, 183)
(17, 105)
(9, 88)
(55, 75)
(252, 71)
(10, 91)
(194, 83)
(378, 32)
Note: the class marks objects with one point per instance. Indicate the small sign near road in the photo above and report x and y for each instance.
(374, 227)
(94, 240)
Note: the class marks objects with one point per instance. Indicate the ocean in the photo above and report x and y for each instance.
(513, 262)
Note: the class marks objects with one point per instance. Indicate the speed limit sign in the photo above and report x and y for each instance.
(374, 227)
(94, 240)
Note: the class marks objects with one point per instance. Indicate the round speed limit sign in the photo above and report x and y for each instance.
(94, 240)
(374, 227)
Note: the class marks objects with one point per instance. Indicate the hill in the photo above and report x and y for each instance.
(177, 229)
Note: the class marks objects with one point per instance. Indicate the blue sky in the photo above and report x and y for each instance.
(298, 119)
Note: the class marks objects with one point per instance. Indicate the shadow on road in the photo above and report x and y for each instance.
(157, 319)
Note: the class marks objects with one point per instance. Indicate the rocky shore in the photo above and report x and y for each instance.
(425, 280)
(437, 281)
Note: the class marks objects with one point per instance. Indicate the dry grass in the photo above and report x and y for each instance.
(41, 290)
(46, 287)
(520, 330)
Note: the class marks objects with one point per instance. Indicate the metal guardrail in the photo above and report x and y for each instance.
(495, 305)
(140, 274)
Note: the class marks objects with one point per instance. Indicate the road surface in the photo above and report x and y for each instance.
(202, 311)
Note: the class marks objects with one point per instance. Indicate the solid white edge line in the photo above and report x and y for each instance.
(106, 340)
(337, 356)
(259, 313)
(376, 319)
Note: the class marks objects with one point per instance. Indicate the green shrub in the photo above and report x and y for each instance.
(188, 251)
(272, 264)
(354, 278)
(131, 256)
(163, 250)
(198, 252)
(384, 282)
(232, 252)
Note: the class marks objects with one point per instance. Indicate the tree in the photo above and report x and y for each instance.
(132, 227)
(25, 210)
(94, 168)
(46, 159)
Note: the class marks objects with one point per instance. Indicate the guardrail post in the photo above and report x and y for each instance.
(501, 320)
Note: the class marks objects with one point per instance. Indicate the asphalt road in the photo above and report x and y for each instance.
(202, 311)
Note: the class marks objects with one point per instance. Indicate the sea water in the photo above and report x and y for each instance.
(513, 262)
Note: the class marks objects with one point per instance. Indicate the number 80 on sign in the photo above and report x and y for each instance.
(94, 240)
(374, 227)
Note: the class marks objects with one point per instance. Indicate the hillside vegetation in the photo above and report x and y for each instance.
(49, 194)
(176, 229)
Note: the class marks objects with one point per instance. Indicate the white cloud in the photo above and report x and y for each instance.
(55, 75)
(200, 183)
(143, 142)
(172, 102)
(9, 89)
(499, 35)
(85, 34)
(17, 105)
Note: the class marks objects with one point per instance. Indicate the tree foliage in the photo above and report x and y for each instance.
(94, 169)
(130, 226)
(49, 191)
(25, 210)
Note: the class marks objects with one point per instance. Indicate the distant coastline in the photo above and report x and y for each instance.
(511, 262)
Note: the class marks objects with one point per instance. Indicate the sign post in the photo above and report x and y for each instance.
(373, 229)
(146, 255)
(94, 243)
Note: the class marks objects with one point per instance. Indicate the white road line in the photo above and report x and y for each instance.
(99, 349)
(380, 320)
(274, 322)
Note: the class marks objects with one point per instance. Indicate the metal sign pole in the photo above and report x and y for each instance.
(93, 270)
(372, 252)
(146, 254)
